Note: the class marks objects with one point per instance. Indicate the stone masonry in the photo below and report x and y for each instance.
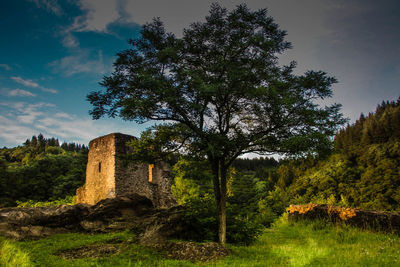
(109, 176)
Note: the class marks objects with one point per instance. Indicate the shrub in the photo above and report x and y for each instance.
(200, 223)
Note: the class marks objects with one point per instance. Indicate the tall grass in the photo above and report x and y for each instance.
(11, 255)
(320, 244)
(285, 244)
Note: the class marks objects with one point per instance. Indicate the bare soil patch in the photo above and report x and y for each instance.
(111, 247)
(93, 251)
(193, 251)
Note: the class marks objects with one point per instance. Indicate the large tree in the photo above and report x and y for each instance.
(219, 92)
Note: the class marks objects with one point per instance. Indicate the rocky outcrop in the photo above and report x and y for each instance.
(115, 214)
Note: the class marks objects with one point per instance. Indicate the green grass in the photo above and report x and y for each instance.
(68, 200)
(316, 244)
(300, 244)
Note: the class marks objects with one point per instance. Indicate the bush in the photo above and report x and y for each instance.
(200, 223)
(199, 219)
(266, 215)
(242, 230)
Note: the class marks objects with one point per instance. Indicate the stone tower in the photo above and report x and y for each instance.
(109, 176)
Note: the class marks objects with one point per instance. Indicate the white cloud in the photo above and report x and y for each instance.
(12, 134)
(18, 106)
(20, 92)
(31, 83)
(69, 40)
(25, 82)
(5, 66)
(50, 5)
(97, 16)
(49, 90)
(63, 115)
(80, 62)
(26, 119)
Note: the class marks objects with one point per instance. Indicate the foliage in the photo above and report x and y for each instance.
(377, 128)
(240, 229)
(255, 164)
(273, 205)
(218, 93)
(192, 180)
(362, 172)
(372, 182)
(199, 219)
(68, 200)
(201, 224)
(41, 170)
(193, 189)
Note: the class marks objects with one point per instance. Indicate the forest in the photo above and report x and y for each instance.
(41, 170)
(362, 170)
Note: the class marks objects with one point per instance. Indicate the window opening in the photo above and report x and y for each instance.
(99, 166)
(151, 166)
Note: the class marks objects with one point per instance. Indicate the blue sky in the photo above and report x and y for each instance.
(54, 52)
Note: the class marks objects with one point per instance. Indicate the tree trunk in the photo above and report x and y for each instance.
(219, 173)
(222, 209)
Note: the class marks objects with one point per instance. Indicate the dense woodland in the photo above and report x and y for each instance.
(41, 170)
(362, 170)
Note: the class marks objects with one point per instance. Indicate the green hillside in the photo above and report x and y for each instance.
(363, 170)
(41, 170)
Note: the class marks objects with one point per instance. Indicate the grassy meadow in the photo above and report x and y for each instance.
(285, 244)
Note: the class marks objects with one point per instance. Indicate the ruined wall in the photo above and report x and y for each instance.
(134, 178)
(100, 171)
(108, 175)
(162, 178)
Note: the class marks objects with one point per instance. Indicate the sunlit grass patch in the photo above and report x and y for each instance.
(285, 244)
(304, 254)
(11, 255)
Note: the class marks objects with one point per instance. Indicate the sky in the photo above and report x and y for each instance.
(54, 52)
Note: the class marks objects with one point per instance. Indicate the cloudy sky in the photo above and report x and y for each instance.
(54, 52)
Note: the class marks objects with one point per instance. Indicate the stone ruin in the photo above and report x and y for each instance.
(110, 176)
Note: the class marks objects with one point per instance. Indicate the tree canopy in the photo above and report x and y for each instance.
(41, 170)
(219, 92)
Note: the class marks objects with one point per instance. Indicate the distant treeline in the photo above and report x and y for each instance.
(363, 170)
(377, 128)
(41, 170)
(246, 164)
